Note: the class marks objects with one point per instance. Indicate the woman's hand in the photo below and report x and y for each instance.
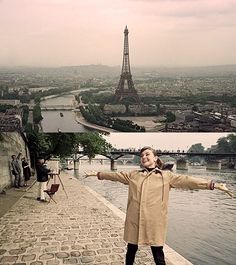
(90, 174)
(222, 186)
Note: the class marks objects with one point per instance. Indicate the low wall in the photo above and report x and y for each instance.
(10, 144)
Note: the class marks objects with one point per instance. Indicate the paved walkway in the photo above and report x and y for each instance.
(10, 196)
(80, 229)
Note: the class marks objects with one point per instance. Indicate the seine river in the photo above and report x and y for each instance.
(202, 224)
(53, 121)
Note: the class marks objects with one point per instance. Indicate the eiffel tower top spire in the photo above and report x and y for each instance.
(126, 86)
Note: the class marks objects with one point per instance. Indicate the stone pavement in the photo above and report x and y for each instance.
(12, 195)
(80, 229)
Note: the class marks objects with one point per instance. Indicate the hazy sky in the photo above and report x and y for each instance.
(163, 141)
(75, 32)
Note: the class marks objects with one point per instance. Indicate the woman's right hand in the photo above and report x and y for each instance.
(90, 174)
(222, 187)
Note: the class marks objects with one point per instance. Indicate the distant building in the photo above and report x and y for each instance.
(143, 109)
(116, 109)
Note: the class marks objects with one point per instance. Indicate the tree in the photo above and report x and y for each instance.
(226, 144)
(196, 148)
(170, 117)
(93, 143)
(25, 109)
(66, 144)
(37, 116)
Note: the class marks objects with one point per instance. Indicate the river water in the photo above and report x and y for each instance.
(202, 224)
(54, 121)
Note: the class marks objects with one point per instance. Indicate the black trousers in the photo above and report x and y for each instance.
(157, 253)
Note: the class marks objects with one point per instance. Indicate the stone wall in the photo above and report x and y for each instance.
(11, 144)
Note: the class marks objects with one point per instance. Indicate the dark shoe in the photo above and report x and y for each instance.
(16, 187)
(43, 200)
(38, 198)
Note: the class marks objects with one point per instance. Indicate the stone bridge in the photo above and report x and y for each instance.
(57, 107)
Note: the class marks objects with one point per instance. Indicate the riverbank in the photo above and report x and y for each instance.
(83, 228)
(81, 120)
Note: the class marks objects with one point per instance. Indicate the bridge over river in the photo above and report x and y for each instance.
(212, 160)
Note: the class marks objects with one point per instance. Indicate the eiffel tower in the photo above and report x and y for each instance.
(125, 87)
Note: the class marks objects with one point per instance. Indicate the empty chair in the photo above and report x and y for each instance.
(50, 192)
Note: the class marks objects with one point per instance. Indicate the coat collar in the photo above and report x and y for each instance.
(156, 169)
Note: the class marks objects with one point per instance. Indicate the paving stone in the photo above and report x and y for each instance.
(87, 259)
(53, 262)
(62, 255)
(64, 248)
(36, 263)
(46, 256)
(46, 238)
(100, 259)
(75, 254)
(71, 261)
(17, 251)
(50, 249)
(2, 251)
(141, 254)
(34, 250)
(88, 253)
(120, 244)
(7, 259)
(77, 247)
(28, 257)
(103, 251)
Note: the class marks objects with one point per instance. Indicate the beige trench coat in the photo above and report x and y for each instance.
(147, 209)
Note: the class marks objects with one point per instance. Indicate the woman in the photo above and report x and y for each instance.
(26, 171)
(146, 218)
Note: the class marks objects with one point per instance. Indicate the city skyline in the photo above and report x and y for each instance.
(163, 141)
(75, 32)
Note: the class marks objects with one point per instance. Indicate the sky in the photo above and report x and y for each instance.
(80, 32)
(163, 141)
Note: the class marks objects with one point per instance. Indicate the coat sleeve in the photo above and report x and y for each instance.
(188, 182)
(123, 177)
(13, 166)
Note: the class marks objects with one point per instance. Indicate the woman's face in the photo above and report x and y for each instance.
(148, 159)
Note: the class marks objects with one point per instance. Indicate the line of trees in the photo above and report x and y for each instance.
(95, 115)
(224, 145)
(66, 144)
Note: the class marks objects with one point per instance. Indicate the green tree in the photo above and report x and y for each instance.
(170, 117)
(66, 144)
(93, 143)
(226, 144)
(37, 116)
(196, 148)
(25, 116)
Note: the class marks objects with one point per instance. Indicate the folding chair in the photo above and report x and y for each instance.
(50, 192)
